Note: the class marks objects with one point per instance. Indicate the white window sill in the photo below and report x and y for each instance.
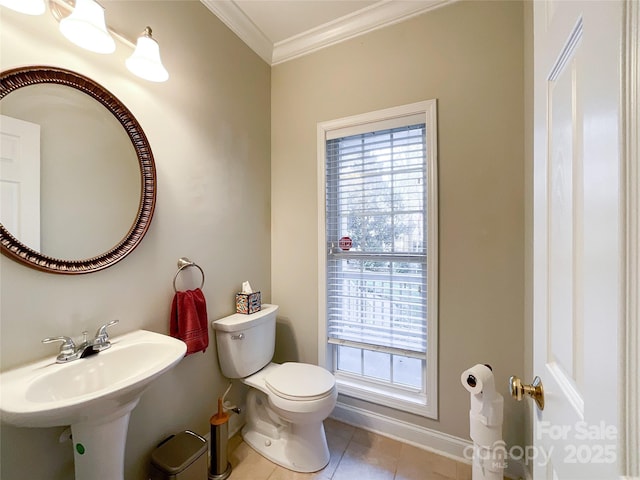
(417, 403)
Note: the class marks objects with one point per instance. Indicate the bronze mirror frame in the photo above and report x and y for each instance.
(11, 247)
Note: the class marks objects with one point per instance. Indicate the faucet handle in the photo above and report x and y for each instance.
(103, 329)
(67, 348)
(101, 340)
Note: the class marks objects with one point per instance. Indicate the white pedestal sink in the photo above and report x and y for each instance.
(95, 395)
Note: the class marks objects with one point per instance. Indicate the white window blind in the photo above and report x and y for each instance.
(376, 195)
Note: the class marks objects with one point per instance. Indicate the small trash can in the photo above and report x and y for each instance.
(180, 457)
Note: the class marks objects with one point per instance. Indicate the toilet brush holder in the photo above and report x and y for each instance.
(220, 468)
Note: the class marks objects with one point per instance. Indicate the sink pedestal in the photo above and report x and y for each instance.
(98, 446)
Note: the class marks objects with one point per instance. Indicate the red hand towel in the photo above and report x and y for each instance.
(189, 320)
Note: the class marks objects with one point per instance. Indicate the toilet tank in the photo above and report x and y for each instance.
(246, 342)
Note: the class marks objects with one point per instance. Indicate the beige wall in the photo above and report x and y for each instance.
(209, 128)
(469, 56)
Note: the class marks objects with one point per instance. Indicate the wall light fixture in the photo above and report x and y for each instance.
(86, 27)
(145, 61)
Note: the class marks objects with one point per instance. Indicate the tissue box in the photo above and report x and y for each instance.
(248, 302)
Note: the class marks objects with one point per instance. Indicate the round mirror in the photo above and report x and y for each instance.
(77, 176)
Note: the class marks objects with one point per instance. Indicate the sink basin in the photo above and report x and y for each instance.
(47, 394)
(95, 395)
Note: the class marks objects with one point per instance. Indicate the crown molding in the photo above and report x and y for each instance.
(234, 18)
(378, 15)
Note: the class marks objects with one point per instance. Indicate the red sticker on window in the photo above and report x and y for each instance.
(345, 243)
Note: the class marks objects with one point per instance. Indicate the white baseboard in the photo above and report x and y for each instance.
(421, 437)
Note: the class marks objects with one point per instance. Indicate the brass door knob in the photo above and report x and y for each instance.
(535, 390)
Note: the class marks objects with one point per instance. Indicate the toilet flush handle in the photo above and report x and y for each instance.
(240, 336)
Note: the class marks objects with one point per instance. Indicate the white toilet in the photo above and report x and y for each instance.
(287, 403)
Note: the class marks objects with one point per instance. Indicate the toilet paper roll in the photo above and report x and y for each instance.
(478, 379)
(483, 434)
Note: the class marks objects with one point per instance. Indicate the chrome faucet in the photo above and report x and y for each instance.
(69, 351)
(101, 340)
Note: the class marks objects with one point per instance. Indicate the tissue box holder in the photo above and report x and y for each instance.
(248, 302)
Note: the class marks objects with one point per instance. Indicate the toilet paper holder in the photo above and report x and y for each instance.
(535, 390)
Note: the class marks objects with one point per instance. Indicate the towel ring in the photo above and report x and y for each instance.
(183, 263)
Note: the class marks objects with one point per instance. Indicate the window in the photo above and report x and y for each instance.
(378, 258)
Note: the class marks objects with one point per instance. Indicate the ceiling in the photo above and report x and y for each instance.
(281, 30)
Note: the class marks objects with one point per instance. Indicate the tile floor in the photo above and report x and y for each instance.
(355, 455)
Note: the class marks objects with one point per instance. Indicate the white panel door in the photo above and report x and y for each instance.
(578, 232)
(20, 179)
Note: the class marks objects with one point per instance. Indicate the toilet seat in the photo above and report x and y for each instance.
(300, 381)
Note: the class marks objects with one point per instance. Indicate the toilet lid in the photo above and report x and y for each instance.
(300, 381)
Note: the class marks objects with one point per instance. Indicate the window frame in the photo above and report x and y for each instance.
(425, 405)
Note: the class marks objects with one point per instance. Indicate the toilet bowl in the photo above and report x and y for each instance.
(285, 410)
(286, 403)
